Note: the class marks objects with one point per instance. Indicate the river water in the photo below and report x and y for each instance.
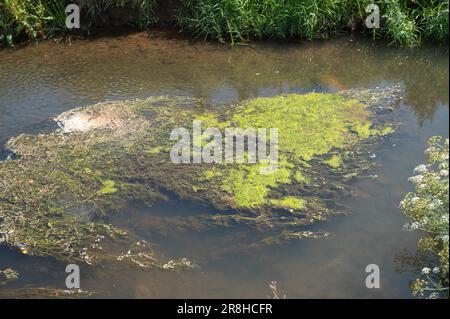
(39, 81)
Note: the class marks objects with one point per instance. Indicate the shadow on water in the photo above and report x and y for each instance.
(38, 82)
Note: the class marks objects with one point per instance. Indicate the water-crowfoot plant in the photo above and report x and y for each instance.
(8, 275)
(58, 194)
(428, 210)
(44, 292)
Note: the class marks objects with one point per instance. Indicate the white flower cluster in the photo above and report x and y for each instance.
(444, 238)
(421, 169)
(416, 179)
(411, 226)
(435, 204)
(428, 211)
(426, 270)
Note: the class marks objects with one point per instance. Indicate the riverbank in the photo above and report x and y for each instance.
(401, 22)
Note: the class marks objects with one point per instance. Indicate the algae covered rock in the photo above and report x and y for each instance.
(57, 193)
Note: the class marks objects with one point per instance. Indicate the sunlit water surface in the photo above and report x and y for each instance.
(38, 82)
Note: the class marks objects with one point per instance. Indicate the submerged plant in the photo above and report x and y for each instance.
(57, 196)
(428, 210)
(276, 293)
(8, 275)
(44, 293)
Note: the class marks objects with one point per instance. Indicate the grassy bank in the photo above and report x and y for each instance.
(403, 22)
(21, 20)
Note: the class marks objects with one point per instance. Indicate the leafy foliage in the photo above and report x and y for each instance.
(31, 19)
(404, 22)
(428, 210)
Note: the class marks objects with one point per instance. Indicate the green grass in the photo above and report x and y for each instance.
(21, 20)
(403, 22)
(237, 20)
(435, 21)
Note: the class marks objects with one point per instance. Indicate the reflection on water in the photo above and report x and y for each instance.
(38, 82)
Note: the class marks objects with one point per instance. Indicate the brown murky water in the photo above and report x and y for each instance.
(38, 82)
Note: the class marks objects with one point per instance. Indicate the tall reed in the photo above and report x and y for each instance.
(404, 22)
(29, 19)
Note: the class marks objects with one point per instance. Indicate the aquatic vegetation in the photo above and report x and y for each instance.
(428, 210)
(249, 187)
(142, 254)
(290, 235)
(56, 196)
(44, 293)
(323, 122)
(276, 293)
(335, 161)
(52, 208)
(289, 202)
(300, 178)
(108, 188)
(8, 275)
